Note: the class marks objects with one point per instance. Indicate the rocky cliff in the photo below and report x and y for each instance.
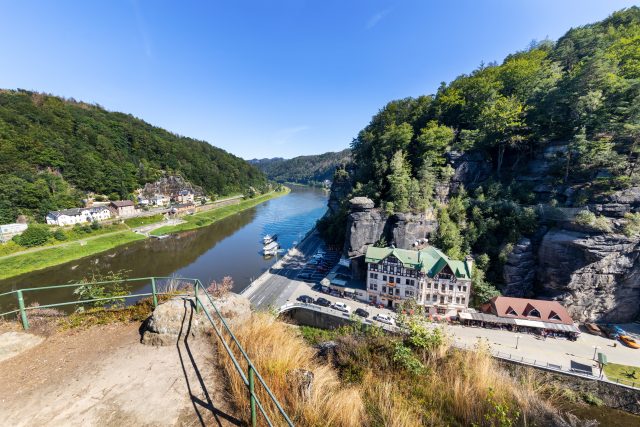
(367, 225)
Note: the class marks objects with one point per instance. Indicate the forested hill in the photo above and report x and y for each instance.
(303, 169)
(52, 149)
(556, 123)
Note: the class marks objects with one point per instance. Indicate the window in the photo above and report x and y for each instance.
(462, 301)
(464, 288)
(384, 289)
(434, 298)
(428, 285)
(511, 312)
(397, 280)
(397, 291)
(533, 313)
(371, 275)
(373, 286)
(376, 275)
(407, 281)
(450, 287)
(391, 291)
(554, 316)
(384, 277)
(457, 300)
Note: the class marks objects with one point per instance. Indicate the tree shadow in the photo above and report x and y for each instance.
(205, 410)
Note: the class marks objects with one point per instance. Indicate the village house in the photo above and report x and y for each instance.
(123, 208)
(160, 200)
(428, 276)
(183, 208)
(77, 216)
(525, 315)
(7, 231)
(185, 196)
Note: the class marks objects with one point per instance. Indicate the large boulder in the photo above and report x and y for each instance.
(177, 317)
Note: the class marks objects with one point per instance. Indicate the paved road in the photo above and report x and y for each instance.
(274, 288)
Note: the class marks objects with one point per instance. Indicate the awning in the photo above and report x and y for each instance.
(529, 323)
(561, 327)
(339, 282)
(484, 317)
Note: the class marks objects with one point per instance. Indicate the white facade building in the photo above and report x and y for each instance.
(7, 231)
(78, 216)
(428, 276)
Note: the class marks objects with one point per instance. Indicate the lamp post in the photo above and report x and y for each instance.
(517, 341)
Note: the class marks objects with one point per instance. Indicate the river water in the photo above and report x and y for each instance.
(230, 247)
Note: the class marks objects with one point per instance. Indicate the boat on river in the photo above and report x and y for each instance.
(270, 248)
(269, 239)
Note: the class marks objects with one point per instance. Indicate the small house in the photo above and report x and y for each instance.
(122, 208)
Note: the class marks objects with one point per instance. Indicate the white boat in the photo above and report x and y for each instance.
(270, 248)
(269, 239)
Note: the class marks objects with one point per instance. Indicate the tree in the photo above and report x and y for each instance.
(433, 142)
(399, 182)
(503, 123)
(448, 236)
(34, 235)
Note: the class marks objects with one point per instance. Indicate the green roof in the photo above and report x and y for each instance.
(429, 260)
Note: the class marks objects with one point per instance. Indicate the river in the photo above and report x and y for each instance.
(229, 247)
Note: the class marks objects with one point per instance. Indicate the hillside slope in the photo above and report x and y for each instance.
(303, 169)
(53, 149)
(530, 165)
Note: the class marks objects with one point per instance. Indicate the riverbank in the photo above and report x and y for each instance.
(203, 219)
(50, 256)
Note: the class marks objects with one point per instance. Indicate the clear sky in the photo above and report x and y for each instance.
(266, 78)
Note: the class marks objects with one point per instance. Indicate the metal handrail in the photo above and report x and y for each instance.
(248, 378)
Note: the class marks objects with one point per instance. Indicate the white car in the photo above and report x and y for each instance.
(384, 318)
(342, 307)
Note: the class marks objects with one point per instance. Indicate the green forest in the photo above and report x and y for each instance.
(53, 150)
(583, 90)
(303, 169)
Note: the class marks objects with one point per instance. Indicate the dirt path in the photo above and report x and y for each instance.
(103, 376)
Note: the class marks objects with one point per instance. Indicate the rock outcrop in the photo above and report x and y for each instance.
(519, 271)
(470, 168)
(597, 277)
(367, 225)
(177, 317)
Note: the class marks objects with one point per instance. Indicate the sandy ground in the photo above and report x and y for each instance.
(103, 376)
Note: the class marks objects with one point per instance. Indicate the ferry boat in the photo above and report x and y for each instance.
(269, 239)
(270, 248)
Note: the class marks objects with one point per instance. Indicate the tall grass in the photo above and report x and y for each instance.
(277, 351)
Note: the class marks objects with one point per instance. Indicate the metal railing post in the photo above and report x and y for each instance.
(195, 295)
(23, 312)
(153, 291)
(252, 397)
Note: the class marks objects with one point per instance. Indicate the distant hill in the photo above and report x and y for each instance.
(303, 169)
(52, 150)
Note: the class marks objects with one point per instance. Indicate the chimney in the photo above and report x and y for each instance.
(468, 260)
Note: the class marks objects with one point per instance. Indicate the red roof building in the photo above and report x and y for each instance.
(528, 309)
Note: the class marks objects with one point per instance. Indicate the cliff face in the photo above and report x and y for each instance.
(367, 225)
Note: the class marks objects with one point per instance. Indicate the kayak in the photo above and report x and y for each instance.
(630, 342)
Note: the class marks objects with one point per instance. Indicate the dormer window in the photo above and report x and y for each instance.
(554, 316)
(511, 312)
(533, 313)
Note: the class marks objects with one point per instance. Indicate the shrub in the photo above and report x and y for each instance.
(95, 225)
(219, 290)
(35, 235)
(588, 219)
(632, 227)
(59, 235)
(106, 293)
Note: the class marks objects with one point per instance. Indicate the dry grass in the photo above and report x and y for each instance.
(276, 351)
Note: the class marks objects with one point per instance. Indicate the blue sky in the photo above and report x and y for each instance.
(266, 78)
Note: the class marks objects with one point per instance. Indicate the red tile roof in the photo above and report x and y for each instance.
(501, 306)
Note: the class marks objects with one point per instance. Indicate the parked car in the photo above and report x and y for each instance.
(362, 313)
(608, 332)
(342, 307)
(323, 302)
(305, 299)
(384, 318)
(317, 288)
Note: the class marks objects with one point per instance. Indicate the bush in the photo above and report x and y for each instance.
(35, 235)
(588, 219)
(632, 227)
(59, 235)
(95, 225)
(111, 292)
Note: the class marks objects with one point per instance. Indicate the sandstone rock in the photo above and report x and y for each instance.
(178, 317)
(519, 271)
(361, 204)
(470, 168)
(597, 277)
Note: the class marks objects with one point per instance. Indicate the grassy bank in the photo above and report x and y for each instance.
(624, 373)
(143, 220)
(203, 219)
(27, 262)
